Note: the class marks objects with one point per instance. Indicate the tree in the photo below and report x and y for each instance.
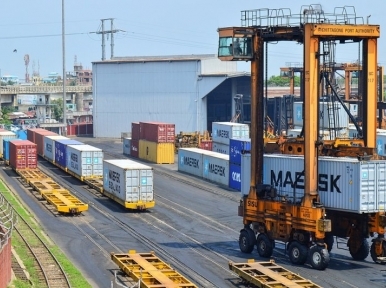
(279, 81)
(5, 110)
(58, 109)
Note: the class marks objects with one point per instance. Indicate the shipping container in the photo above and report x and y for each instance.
(135, 131)
(159, 153)
(381, 144)
(39, 139)
(5, 135)
(22, 154)
(245, 174)
(157, 132)
(128, 180)
(238, 147)
(49, 146)
(190, 160)
(85, 161)
(216, 168)
(220, 148)
(126, 146)
(323, 134)
(222, 132)
(21, 134)
(134, 148)
(6, 149)
(206, 145)
(235, 176)
(345, 184)
(332, 115)
(31, 134)
(61, 150)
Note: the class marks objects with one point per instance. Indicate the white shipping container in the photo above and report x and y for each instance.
(190, 160)
(245, 173)
(216, 168)
(49, 146)
(353, 109)
(85, 160)
(344, 183)
(5, 135)
(220, 148)
(331, 115)
(126, 146)
(128, 180)
(222, 132)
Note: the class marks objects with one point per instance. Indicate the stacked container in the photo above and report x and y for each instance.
(37, 136)
(156, 143)
(85, 161)
(237, 148)
(49, 146)
(222, 132)
(128, 180)
(22, 154)
(135, 136)
(345, 184)
(5, 135)
(206, 145)
(61, 151)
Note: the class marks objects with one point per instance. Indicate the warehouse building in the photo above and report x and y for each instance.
(189, 91)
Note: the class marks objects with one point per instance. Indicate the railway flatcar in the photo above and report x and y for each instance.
(86, 163)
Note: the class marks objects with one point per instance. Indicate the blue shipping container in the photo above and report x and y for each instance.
(21, 134)
(61, 150)
(6, 148)
(235, 176)
(238, 147)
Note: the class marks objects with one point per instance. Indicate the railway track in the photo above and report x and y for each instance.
(47, 268)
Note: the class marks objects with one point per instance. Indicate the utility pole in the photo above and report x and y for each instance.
(64, 73)
(111, 32)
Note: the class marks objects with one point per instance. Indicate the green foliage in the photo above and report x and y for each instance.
(5, 110)
(279, 81)
(58, 109)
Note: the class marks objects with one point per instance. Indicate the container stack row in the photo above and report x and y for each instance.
(237, 148)
(151, 141)
(223, 132)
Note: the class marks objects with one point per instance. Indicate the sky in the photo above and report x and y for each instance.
(146, 28)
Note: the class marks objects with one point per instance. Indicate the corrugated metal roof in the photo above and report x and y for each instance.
(192, 57)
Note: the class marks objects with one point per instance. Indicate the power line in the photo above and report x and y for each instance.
(41, 36)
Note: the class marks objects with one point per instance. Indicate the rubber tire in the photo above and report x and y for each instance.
(362, 253)
(329, 240)
(247, 241)
(374, 255)
(318, 257)
(297, 253)
(264, 246)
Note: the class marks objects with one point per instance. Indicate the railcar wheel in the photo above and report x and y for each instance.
(297, 253)
(362, 252)
(247, 241)
(264, 246)
(318, 257)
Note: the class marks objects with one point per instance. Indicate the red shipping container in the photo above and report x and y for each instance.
(134, 148)
(23, 154)
(206, 145)
(158, 132)
(39, 139)
(135, 131)
(31, 134)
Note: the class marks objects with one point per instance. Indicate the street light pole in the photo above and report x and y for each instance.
(64, 73)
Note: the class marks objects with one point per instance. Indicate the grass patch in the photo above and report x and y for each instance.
(75, 277)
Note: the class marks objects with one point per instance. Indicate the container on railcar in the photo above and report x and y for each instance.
(61, 151)
(5, 135)
(85, 161)
(22, 154)
(129, 181)
(49, 146)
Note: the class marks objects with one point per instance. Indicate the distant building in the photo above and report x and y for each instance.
(10, 79)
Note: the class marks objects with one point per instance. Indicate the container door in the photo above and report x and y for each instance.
(381, 189)
(132, 186)
(146, 185)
